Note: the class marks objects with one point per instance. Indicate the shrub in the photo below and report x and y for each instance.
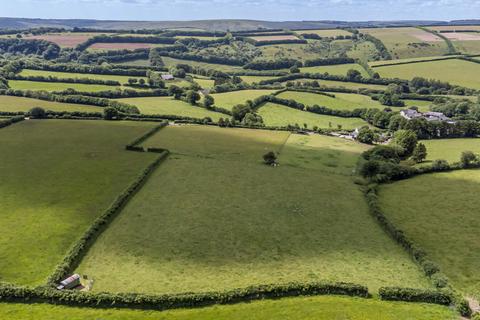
(110, 113)
(440, 165)
(415, 295)
(419, 153)
(365, 135)
(270, 158)
(406, 139)
(37, 113)
(468, 158)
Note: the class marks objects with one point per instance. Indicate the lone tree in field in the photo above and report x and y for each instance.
(468, 158)
(270, 158)
(208, 101)
(192, 97)
(419, 153)
(37, 113)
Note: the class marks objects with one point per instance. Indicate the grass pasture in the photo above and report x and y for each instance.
(70, 75)
(342, 101)
(440, 212)
(172, 62)
(255, 79)
(58, 86)
(455, 71)
(339, 69)
(170, 106)
(305, 308)
(44, 168)
(326, 33)
(15, 104)
(408, 42)
(450, 149)
(228, 100)
(213, 239)
(278, 115)
(344, 84)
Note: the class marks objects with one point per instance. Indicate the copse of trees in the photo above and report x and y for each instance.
(328, 61)
(272, 64)
(45, 49)
(125, 39)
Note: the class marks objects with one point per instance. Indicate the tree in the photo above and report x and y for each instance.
(270, 158)
(419, 153)
(175, 91)
(37, 113)
(208, 101)
(353, 74)
(110, 113)
(406, 139)
(467, 158)
(192, 97)
(132, 81)
(239, 111)
(365, 135)
(294, 69)
(141, 81)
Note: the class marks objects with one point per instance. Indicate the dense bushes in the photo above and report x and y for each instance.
(65, 80)
(116, 94)
(45, 49)
(187, 300)
(201, 57)
(328, 61)
(415, 295)
(124, 39)
(6, 122)
(273, 42)
(272, 64)
(382, 50)
(73, 257)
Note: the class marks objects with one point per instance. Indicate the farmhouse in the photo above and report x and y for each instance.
(167, 77)
(70, 282)
(410, 114)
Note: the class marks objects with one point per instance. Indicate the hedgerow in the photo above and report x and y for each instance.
(147, 135)
(415, 295)
(6, 122)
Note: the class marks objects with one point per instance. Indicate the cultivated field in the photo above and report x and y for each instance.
(14, 104)
(327, 33)
(171, 62)
(121, 46)
(455, 71)
(320, 308)
(173, 246)
(228, 100)
(46, 206)
(255, 79)
(170, 106)
(440, 212)
(409, 42)
(67, 39)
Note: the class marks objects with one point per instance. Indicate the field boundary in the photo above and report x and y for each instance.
(9, 121)
(416, 61)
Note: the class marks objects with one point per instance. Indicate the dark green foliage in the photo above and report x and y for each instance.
(37, 113)
(175, 91)
(406, 139)
(365, 135)
(192, 97)
(6, 122)
(415, 295)
(392, 100)
(110, 113)
(468, 158)
(354, 75)
(272, 64)
(208, 101)
(270, 158)
(148, 134)
(66, 80)
(45, 49)
(328, 62)
(419, 153)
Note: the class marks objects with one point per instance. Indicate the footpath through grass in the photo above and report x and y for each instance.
(56, 177)
(308, 308)
(214, 217)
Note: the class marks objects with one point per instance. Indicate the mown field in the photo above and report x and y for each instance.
(278, 115)
(407, 42)
(190, 228)
(343, 84)
(14, 104)
(105, 77)
(228, 100)
(455, 71)
(58, 86)
(440, 212)
(340, 69)
(56, 177)
(341, 101)
(326, 32)
(255, 79)
(172, 62)
(450, 149)
(309, 308)
(170, 106)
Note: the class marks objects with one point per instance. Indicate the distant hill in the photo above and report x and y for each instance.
(220, 25)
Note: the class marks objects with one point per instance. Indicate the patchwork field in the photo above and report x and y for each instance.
(409, 42)
(67, 39)
(450, 149)
(44, 168)
(255, 79)
(278, 115)
(327, 33)
(274, 37)
(443, 220)
(228, 100)
(319, 308)
(68, 75)
(341, 101)
(172, 62)
(170, 106)
(212, 239)
(121, 46)
(455, 71)
(340, 69)
(14, 104)
(343, 84)
(138, 63)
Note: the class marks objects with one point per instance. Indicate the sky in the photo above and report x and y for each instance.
(274, 10)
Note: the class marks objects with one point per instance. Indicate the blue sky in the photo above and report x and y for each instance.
(359, 10)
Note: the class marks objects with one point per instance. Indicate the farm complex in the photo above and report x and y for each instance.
(237, 171)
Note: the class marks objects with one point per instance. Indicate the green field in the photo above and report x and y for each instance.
(401, 61)
(278, 115)
(205, 83)
(342, 101)
(407, 42)
(172, 62)
(15, 104)
(170, 106)
(339, 69)
(440, 213)
(326, 32)
(455, 71)
(364, 51)
(255, 79)
(228, 100)
(317, 152)
(121, 79)
(58, 86)
(139, 63)
(191, 229)
(450, 149)
(46, 166)
(308, 308)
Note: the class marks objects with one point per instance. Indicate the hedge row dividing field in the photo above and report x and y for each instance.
(21, 104)
(213, 239)
(35, 73)
(45, 207)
